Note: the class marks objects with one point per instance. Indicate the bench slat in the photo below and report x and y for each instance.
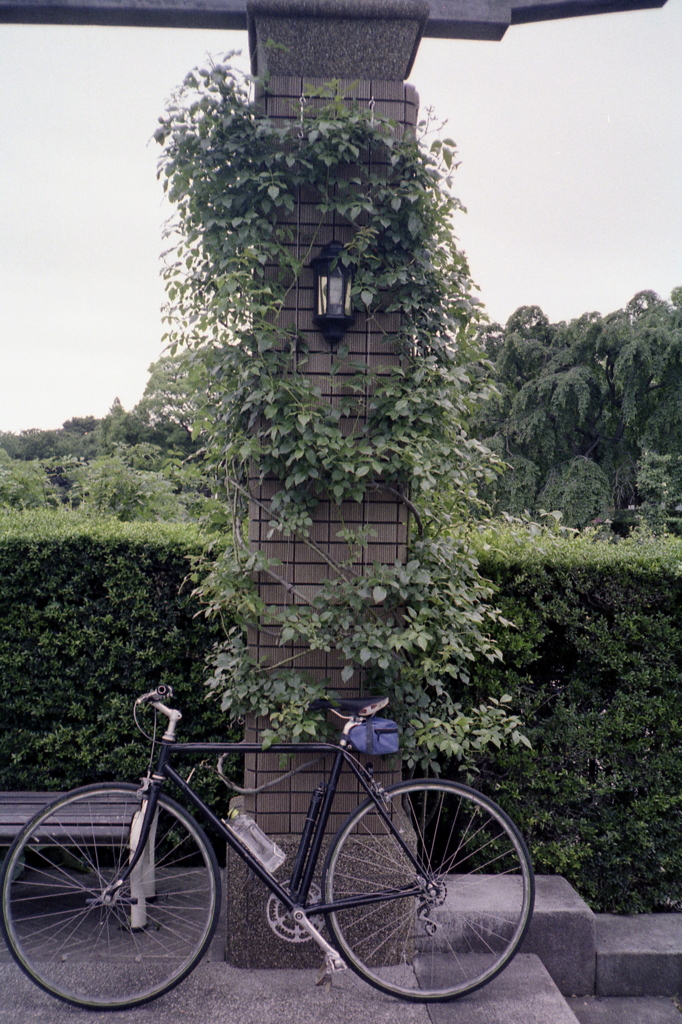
(16, 808)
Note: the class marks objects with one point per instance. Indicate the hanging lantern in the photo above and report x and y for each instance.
(333, 281)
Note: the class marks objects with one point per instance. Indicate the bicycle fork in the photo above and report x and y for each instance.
(141, 869)
(143, 873)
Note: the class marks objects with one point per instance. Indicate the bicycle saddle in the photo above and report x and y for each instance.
(360, 707)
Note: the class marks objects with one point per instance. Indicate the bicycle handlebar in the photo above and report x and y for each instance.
(162, 691)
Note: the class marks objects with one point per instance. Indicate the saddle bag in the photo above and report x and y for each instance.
(375, 736)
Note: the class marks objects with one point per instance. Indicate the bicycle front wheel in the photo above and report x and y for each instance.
(437, 902)
(148, 938)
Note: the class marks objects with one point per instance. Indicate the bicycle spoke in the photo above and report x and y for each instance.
(447, 936)
(125, 952)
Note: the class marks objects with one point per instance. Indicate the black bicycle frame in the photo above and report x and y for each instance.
(311, 837)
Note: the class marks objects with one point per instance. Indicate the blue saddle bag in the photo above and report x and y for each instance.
(375, 736)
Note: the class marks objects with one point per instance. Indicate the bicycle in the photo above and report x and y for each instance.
(111, 894)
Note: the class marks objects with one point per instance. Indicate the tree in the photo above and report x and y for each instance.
(163, 417)
(80, 425)
(132, 465)
(172, 392)
(111, 485)
(578, 404)
(24, 484)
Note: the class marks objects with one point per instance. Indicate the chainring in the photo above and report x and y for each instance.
(281, 921)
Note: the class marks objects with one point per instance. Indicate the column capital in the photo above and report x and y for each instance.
(368, 39)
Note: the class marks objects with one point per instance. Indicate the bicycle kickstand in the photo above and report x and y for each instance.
(332, 961)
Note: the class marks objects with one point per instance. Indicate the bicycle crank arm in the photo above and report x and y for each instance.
(333, 961)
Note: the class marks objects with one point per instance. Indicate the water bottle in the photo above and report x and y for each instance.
(267, 852)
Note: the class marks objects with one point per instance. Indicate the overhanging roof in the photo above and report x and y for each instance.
(449, 19)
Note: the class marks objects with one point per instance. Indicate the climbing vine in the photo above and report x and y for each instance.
(410, 629)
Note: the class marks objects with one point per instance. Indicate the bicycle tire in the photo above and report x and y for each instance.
(108, 957)
(445, 929)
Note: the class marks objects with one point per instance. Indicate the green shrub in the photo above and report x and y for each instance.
(24, 484)
(595, 668)
(94, 612)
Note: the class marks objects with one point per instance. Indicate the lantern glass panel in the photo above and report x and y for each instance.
(348, 305)
(322, 295)
(336, 293)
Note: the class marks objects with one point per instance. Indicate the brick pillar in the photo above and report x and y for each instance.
(280, 811)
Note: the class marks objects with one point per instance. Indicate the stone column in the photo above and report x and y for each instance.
(348, 40)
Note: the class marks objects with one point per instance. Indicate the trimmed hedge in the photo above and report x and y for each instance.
(94, 612)
(595, 668)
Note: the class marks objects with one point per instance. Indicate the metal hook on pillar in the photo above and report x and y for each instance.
(302, 104)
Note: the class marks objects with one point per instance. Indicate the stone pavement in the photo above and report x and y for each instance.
(576, 967)
(216, 993)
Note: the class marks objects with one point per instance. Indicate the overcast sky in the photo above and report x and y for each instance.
(570, 136)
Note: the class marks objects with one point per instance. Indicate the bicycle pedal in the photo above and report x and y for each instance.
(325, 978)
(333, 964)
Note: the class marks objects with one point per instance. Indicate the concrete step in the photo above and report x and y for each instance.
(622, 1010)
(562, 934)
(607, 955)
(523, 994)
(638, 955)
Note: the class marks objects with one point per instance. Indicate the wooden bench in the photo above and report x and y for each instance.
(17, 808)
(112, 822)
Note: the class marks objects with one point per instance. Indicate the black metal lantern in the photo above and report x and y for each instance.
(333, 281)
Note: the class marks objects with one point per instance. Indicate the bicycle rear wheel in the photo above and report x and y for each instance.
(121, 954)
(439, 909)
